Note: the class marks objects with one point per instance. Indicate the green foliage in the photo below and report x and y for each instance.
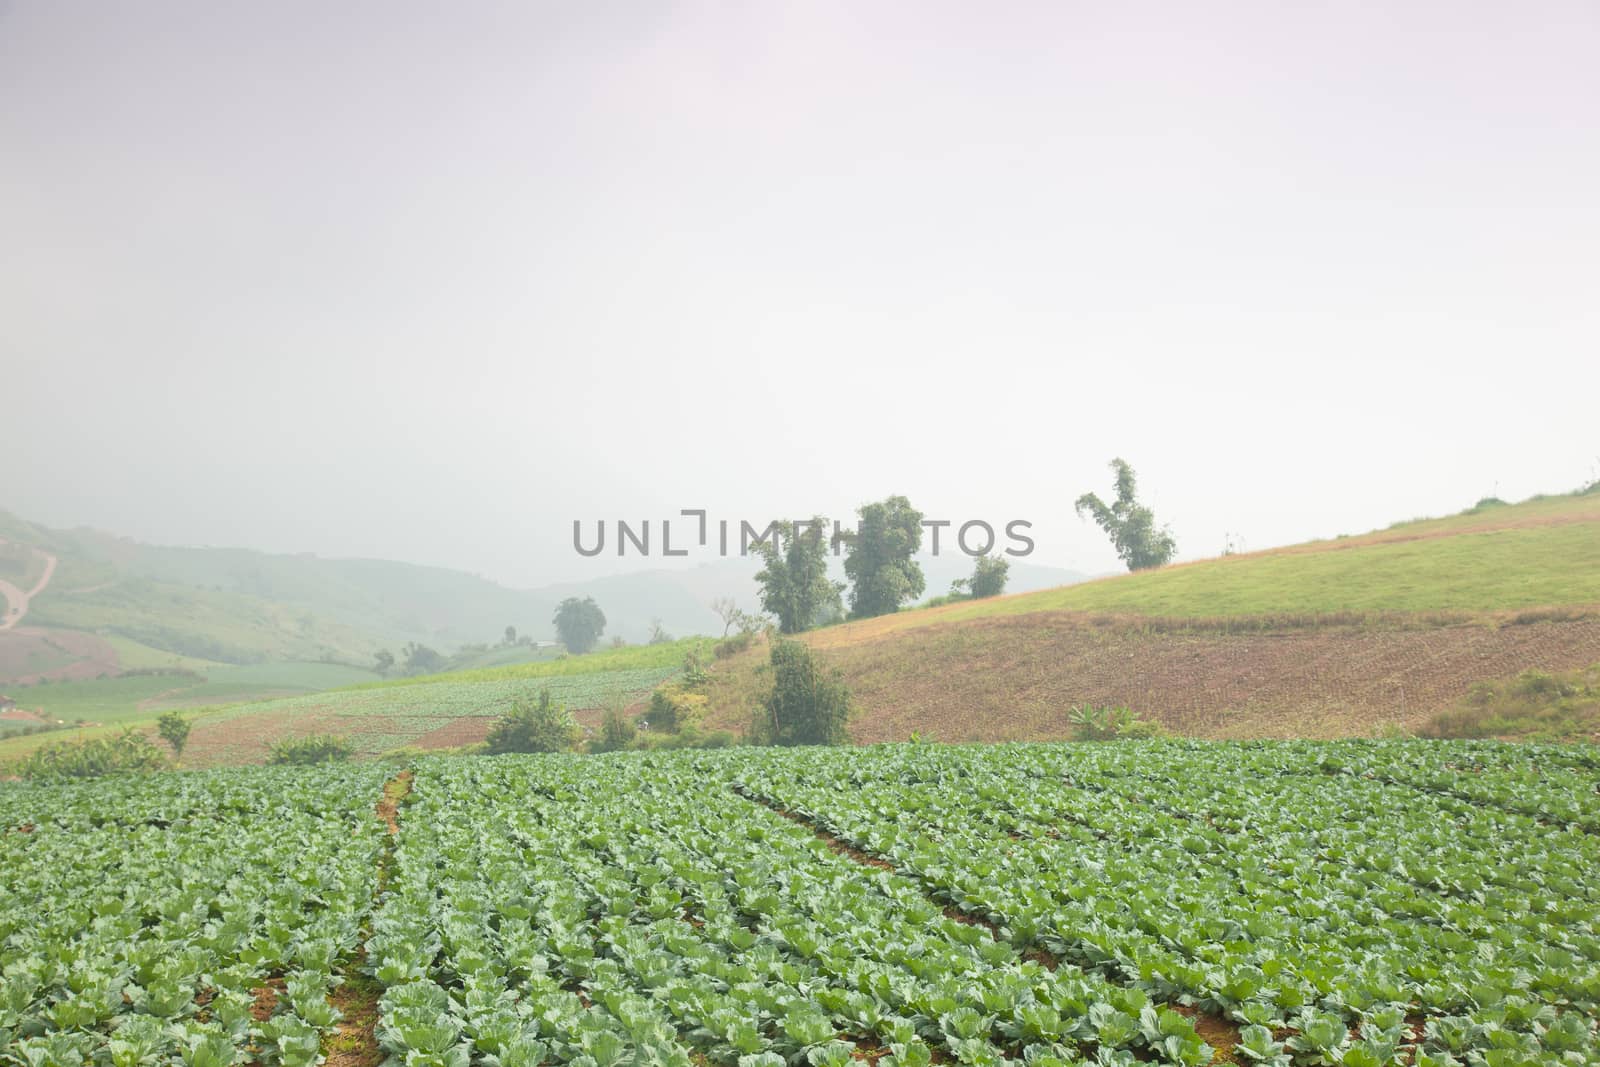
(794, 580)
(808, 705)
(1535, 705)
(420, 659)
(383, 662)
(673, 709)
(882, 573)
(1130, 524)
(128, 752)
(988, 576)
(540, 725)
(617, 730)
(694, 669)
(579, 624)
(732, 646)
(310, 749)
(174, 730)
(1090, 723)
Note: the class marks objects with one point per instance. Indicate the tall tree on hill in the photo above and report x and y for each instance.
(1130, 524)
(579, 624)
(883, 576)
(794, 583)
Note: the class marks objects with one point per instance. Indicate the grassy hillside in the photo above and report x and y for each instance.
(1335, 638)
(240, 710)
(1543, 553)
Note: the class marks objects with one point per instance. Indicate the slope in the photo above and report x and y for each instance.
(1326, 639)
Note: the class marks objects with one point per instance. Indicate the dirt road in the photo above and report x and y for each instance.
(16, 600)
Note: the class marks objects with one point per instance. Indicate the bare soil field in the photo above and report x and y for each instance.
(30, 654)
(1015, 678)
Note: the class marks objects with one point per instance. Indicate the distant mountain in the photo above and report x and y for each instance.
(242, 606)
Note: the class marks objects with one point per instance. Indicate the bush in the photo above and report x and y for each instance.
(1533, 706)
(691, 738)
(534, 726)
(732, 646)
(174, 730)
(1090, 723)
(128, 752)
(617, 731)
(310, 749)
(808, 705)
(673, 710)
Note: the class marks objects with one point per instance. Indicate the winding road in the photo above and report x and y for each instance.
(16, 600)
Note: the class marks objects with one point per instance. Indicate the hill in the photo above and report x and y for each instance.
(239, 712)
(108, 604)
(1327, 639)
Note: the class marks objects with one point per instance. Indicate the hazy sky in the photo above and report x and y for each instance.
(429, 281)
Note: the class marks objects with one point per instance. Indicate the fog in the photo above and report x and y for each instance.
(430, 282)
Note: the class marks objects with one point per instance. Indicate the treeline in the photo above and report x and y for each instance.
(882, 575)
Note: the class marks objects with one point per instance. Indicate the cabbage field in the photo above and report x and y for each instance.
(1357, 903)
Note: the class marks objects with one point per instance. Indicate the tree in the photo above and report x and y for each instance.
(384, 662)
(511, 635)
(1130, 524)
(174, 730)
(728, 611)
(658, 633)
(882, 573)
(808, 705)
(988, 576)
(534, 726)
(794, 582)
(420, 659)
(579, 623)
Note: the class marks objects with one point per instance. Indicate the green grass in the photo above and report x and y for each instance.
(117, 700)
(135, 656)
(1543, 553)
(101, 700)
(627, 658)
(1534, 706)
(381, 718)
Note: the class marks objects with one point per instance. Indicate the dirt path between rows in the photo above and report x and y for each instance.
(16, 599)
(354, 1040)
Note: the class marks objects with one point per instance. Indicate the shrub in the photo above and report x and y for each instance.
(174, 730)
(808, 705)
(1090, 723)
(1533, 706)
(128, 752)
(534, 726)
(617, 731)
(310, 749)
(673, 710)
(694, 670)
(732, 646)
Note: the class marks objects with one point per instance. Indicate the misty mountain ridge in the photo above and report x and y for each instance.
(244, 605)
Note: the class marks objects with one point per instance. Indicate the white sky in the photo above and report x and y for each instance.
(429, 281)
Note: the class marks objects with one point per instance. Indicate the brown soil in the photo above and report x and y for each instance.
(30, 654)
(468, 730)
(394, 791)
(354, 1042)
(1013, 678)
(266, 1001)
(1221, 1034)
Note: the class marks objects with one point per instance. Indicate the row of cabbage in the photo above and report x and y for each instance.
(635, 909)
(1270, 883)
(144, 920)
